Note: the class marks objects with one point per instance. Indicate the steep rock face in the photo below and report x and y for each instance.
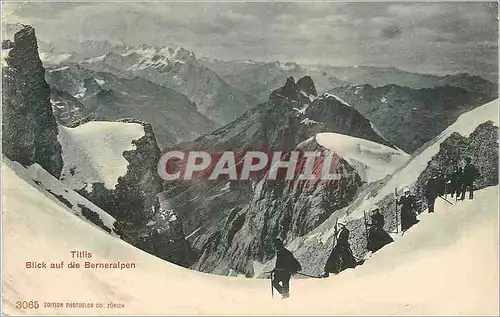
(288, 118)
(410, 117)
(29, 127)
(142, 219)
(67, 109)
(216, 211)
(285, 209)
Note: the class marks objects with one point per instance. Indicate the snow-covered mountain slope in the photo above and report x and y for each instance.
(372, 161)
(61, 194)
(408, 174)
(71, 50)
(453, 270)
(93, 152)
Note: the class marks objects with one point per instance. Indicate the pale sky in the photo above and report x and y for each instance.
(422, 37)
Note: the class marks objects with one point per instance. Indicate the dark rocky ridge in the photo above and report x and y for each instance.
(29, 129)
(411, 117)
(103, 96)
(285, 209)
(275, 125)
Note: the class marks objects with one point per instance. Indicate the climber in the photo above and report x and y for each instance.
(341, 256)
(408, 212)
(286, 266)
(470, 174)
(432, 191)
(441, 183)
(377, 236)
(454, 181)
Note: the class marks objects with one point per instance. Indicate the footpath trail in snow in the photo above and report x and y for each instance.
(448, 264)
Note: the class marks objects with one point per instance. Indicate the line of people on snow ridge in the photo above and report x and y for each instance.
(456, 182)
(460, 180)
(342, 257)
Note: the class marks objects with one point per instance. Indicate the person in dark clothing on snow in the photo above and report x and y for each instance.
(455, 181)
(448, 180)
(431, 191)
(377, 237)
(341, 256)
(470, 174)
(408, 213)
(441, 183)
(286, 266)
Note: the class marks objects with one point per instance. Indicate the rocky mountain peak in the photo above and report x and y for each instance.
(289, 90)
(28, 124)
(181, 53)
(24, 53)
(306, 84)
(294, 91)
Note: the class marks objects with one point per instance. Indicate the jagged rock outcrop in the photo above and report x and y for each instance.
(306, 84)
(29, 129)
(285, 209)
(481, 146)
(143, 219)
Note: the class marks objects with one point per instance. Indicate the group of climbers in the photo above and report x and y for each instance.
(341, 257)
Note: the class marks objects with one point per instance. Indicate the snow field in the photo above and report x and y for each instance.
(453, 270)
(372, 161)
(93, 152)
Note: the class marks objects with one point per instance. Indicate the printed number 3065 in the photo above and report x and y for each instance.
(27, 305)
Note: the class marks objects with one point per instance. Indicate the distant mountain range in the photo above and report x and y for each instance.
(78, 92)
(382, 76)
(174, 68)
(260, 78)
(411, 117)
(222, 91)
